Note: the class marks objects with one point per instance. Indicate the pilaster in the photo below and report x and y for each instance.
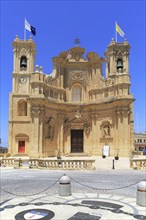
(60, 117)
(94, 131)
(37, 130)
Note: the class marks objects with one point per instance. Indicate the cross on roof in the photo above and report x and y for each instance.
(77, 42)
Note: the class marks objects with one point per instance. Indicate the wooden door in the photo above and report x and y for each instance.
(76, 141)
(21, 147)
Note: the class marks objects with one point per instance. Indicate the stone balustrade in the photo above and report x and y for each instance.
(62, 164)
(49, 164)
(138, 163)
(7, 162)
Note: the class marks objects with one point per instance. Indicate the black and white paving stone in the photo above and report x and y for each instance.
(75, 207)
(32, 198)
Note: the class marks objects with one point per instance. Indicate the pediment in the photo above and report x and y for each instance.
(77, 119)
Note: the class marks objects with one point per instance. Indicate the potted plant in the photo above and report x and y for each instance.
(117, 156)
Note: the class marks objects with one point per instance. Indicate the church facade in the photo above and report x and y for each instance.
(75, 110)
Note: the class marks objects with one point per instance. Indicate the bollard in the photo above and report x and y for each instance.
(64, 186)
(113, 164)
(141, 193)
(20, 162)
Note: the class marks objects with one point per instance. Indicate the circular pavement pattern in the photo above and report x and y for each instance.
(42, 214)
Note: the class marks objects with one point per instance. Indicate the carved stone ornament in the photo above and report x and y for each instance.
(77, 52)
(22, 80)
(94, 58)
(106, 140)
(67, 128)
(77, 75)
(77, 122)
(119, 55)
(49, 80)
(77, 57)
(36, 112)
(87, 128)
(109, 82)
(78, 114)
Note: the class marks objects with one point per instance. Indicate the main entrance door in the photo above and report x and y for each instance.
(76, 141)
(21, 147)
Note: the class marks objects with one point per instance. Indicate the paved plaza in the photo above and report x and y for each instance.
(98, 194)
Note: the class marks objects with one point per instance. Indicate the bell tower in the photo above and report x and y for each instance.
(117, 58)
(23, 67)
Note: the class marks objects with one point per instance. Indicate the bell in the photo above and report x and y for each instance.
(119, 64)
(23, 64)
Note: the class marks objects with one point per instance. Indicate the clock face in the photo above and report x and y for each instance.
(22, 80)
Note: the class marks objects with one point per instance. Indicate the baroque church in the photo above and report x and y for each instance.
(74, 111)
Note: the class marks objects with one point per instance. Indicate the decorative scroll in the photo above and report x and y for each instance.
(49, 80)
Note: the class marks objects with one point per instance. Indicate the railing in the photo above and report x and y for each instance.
(138, 163)
(49, 164)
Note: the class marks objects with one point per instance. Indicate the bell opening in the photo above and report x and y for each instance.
(23, 63)
(119, 63)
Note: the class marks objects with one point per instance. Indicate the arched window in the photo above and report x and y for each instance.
(22, 108)
(76, 94)
(23, 63)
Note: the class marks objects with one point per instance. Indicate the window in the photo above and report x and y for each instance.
(22, 108)
(76, 94)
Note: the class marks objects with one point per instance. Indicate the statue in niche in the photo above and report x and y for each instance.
(50, 129)
(51, 132)
(106, 131)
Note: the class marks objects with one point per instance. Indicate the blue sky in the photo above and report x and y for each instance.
(57, 24)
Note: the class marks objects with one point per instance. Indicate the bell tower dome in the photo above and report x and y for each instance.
(117, 58)
(24, 57)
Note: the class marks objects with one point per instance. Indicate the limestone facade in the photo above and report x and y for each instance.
(140, 141)
(75, 110)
